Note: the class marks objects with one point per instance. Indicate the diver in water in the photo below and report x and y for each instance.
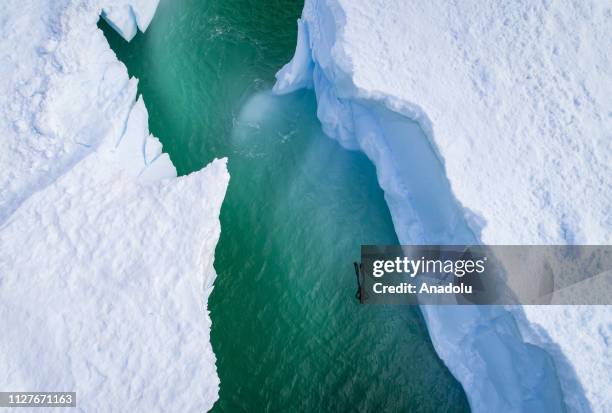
(360, 294)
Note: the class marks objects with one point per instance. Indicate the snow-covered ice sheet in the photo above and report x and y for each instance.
(104, 289)
(513, 106)
(106, 257)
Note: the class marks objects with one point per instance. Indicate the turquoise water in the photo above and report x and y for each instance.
(287, 330)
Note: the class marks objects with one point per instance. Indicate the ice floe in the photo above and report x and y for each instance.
(106, 257)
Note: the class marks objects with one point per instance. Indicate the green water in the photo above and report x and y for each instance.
(287, 330)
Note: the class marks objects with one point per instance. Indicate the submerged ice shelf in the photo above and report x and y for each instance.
(425, 211)
(375, 73)
(109, 296)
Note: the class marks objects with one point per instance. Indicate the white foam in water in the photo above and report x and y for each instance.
(513, 101)
(106, 257)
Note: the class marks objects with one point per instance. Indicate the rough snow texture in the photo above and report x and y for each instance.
(106, 257)
(514, 101)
